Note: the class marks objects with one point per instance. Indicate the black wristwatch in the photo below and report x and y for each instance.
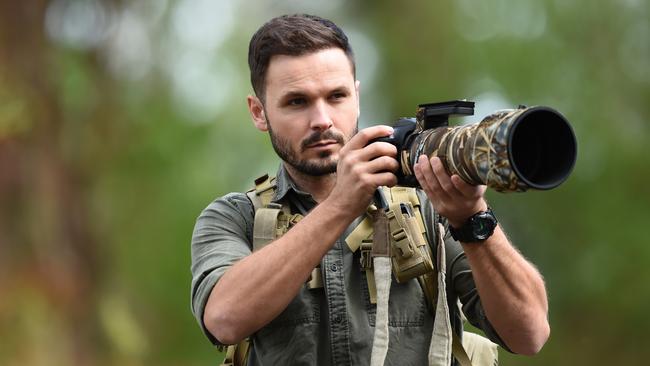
(477, 228)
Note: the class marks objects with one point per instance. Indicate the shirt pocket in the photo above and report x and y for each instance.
(303, 309)
(407, 306)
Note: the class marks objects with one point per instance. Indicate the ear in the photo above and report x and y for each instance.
(357, 86)
(256, 109)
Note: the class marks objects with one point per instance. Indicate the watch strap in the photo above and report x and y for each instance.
(466, 233)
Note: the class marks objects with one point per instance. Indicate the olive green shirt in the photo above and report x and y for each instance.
(333, 325)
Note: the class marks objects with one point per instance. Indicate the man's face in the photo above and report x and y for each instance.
(311, 109)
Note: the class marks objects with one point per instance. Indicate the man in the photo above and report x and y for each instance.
(307, 99)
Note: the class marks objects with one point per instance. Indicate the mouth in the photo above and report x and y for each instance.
(323, 143)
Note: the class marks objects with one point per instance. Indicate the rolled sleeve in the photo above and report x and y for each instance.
(222, 236)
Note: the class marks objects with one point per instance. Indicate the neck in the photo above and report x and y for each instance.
(318, 186)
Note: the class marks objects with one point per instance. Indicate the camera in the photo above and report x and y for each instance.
(510, 150)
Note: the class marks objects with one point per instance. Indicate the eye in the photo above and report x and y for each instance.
(295, 102)
(338, 95)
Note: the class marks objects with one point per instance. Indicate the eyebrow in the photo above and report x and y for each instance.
(341, 89)
(293, 94)
(299, 93)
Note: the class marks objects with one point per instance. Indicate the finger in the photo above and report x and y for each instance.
(466, 189)
(428, 178)
(418, 175)
(356, 158)
(443, 177)
(377, 149)
(384, 179)
(382, 164)
(364, 136)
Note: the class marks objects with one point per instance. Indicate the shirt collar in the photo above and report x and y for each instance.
(285, 185)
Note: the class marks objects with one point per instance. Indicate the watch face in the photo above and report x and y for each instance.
(477, 228)
(483, 226)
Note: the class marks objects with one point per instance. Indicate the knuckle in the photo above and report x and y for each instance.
(387, 160)
(446, 187)
(364, 134)
(356, 169)
(366, 181)
(394, 165)
(392, 180)
(348, 159)
(388, 149)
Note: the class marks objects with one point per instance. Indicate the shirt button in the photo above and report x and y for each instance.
(336, 319)
(333, 267)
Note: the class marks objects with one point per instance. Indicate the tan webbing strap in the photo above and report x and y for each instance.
(361, 237)
(272, 220)
(265, 226)
(265, 189)
(315, 279)
(361, 232)
(381, 238)
(229, 359)
(459, 352)
(366, 265)
(480, 350)
(382, 270)
(241, 353)
(237, 354)
(429, 284)
(440, 350)
(255, 200)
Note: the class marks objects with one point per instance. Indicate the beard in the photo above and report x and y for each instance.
(324, 164)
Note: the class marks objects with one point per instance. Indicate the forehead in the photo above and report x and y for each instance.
(329, 68)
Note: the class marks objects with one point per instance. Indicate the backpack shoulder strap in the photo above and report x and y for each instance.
(263, 192)
(271, 219)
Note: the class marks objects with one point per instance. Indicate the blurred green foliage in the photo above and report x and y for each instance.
(120, 121)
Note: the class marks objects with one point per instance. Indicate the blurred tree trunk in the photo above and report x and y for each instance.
(47, 247)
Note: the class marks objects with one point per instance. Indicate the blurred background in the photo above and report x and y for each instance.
(121, 120)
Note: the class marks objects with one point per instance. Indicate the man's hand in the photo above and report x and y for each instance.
(362, 168)
(451, 197)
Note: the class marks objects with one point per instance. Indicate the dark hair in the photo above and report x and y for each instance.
(292, 35)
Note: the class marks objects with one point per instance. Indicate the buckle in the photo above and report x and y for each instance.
(402, 243)
(366, 258)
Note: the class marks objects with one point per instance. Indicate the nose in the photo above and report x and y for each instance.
(320, 118)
